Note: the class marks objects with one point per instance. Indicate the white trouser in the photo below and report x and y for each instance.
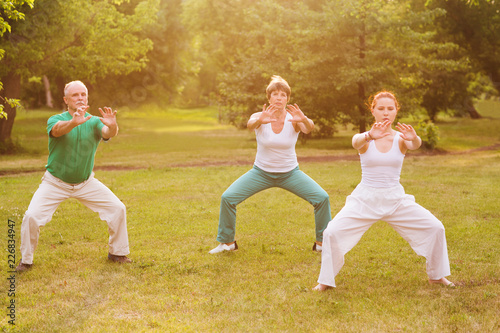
(367, 205)
(92, 193)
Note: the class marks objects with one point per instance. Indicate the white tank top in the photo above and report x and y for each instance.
(382, 169)
(276, 152)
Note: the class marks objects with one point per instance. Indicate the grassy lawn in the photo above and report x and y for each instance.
(170, 168)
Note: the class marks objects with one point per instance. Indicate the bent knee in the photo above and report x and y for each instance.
(115, 212)
(225, 196)
(229, 198)
(33, 218)
(435, 224)
(438, 227)
(322, 198)
(330, 230)
(116, 209)
(120, 206)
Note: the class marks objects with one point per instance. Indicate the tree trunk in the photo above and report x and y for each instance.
(361, 86)
(432, 112)
(362, 118)
(49, 101)
(472, 110)
(12, 89)
(59, 94)
(495, 78)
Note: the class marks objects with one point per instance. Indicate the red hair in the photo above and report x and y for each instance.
(372, 101)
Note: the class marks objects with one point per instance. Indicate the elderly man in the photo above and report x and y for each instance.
(73, 139)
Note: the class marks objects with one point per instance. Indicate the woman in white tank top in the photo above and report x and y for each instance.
(276, 128)
(380, 196)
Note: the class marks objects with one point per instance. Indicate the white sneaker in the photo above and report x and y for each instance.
(223, 247)
(317, 248)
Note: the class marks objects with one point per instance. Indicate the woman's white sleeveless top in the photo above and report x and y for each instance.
(276, 152)
(382, 169)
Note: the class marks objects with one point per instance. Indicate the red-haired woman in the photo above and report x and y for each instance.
(380, 196)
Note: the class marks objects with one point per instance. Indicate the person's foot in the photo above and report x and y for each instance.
(322, 287)
(119, 259)
(224, 247)
(23, 267)
(318, 246)
(443, 281)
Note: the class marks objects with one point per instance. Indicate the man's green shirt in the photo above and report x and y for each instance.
(71, 156)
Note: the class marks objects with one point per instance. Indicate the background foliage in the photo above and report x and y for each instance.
(10, 12)
(436, 55)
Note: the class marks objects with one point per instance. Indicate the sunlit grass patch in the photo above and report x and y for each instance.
(152, 111)
(188, 128)
(465, 133)
(488, 108)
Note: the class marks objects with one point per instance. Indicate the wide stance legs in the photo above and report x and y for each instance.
(257, 180)
(365, 206)
(92, 193)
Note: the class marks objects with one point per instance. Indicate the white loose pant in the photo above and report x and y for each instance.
(367, 205)
(92, 193)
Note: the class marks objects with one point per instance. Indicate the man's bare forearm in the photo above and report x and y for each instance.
(62, 127)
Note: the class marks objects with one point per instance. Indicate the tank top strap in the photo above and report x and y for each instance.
(395, 143)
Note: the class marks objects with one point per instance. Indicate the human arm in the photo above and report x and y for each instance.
(377, 131)
(299, 119)
(110, 128)
(411, 140)
(260, 118)
(63, 127)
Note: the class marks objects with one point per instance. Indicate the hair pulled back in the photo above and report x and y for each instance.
(372, 101)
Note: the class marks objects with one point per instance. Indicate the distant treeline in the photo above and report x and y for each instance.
(436, 55)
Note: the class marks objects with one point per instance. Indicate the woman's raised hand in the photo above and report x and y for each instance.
(297, 114)
(408, 133)
(266, 116)
(379, 130)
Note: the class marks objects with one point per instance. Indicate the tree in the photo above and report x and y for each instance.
(239, 45)
(475, 27)
(367, 46)
(165, 69)
(334, 53)
(10, 12)
(74, 39)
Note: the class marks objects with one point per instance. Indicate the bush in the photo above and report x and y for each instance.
(429, 133)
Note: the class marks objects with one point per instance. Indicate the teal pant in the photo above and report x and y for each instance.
(257, 180)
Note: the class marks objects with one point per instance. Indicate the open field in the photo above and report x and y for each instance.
(170, 170)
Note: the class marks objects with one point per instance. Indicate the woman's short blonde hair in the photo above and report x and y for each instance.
(278, 84)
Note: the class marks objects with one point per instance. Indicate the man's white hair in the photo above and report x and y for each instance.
(66, 87)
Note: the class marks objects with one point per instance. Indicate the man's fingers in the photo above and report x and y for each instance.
(107, 111)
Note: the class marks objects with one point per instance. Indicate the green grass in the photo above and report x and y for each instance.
(175, 285)
(463, 133)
